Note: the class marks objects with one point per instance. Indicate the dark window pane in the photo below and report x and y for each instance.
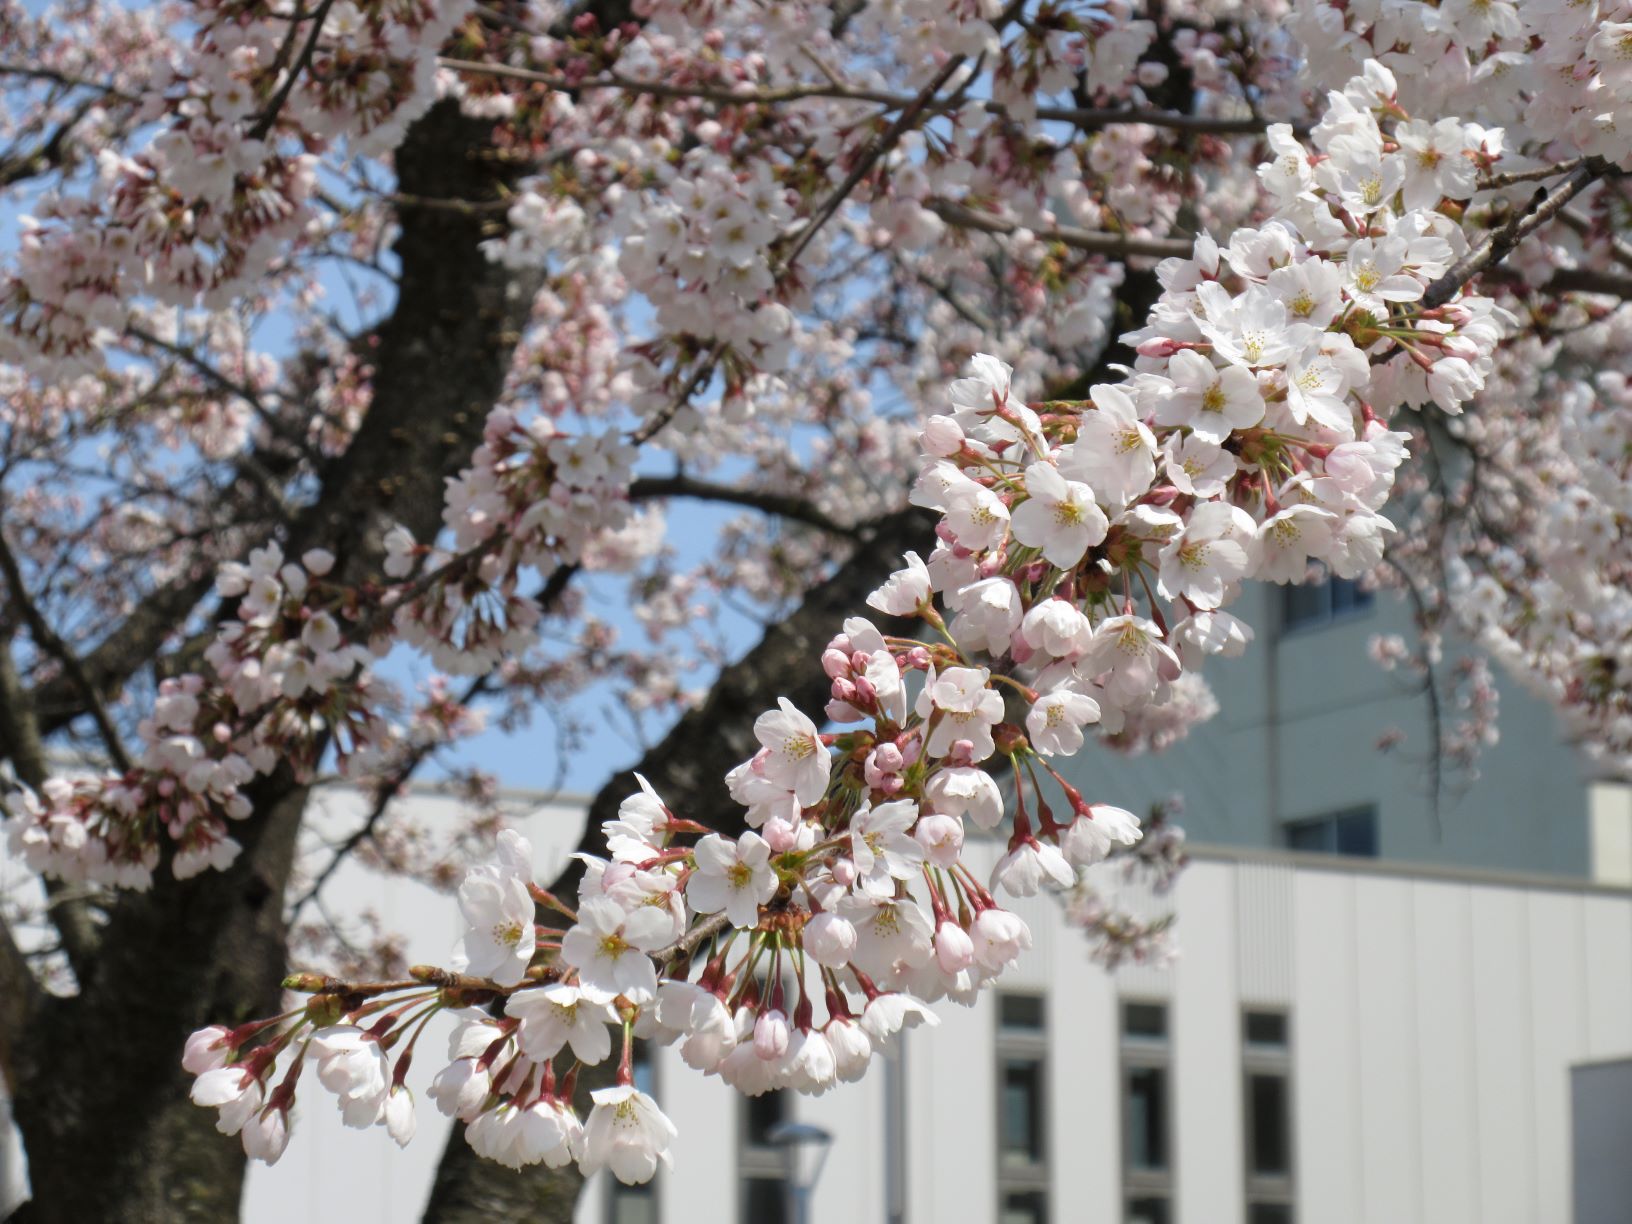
(1269, 1213)
(1271, 1132)
(1352, 832)
(1147, 1117)
(1149, 1211)
(1024, 1207)
(1144, 1020)
(1021, 1012)
(1309, 603)
(1347, 595)
(765, 1201)
(1266, 1028)
(1021, 1139)
(1316, 835)
(1357, 833)
(762, 1113)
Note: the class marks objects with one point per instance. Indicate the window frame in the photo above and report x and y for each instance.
(1139, 1051)
(759, 1162)
(1017, 1044)
(1265, 1059)
(1361, 603)
(1332, 818)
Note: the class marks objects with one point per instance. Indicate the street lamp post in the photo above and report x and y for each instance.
(804, 1152)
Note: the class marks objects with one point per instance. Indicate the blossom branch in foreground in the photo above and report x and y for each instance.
(1085, 557)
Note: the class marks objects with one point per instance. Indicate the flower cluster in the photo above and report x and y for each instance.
(281, 680)
(1086, 554)
(210, 201)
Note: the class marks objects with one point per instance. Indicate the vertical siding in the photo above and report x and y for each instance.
(1606, 941)
(1085, 1121)
(1433, 1024)
(1326, 1067)
(1558, 1035)
(851, 1188)
(951, 1108)
(1502, 1044)
(704, 1111)
(1387, 1051)
(1206, 1055)
(1446, 1074)
(1264, 919)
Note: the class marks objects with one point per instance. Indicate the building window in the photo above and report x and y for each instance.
(1266, 1065)
(635, 1204)
(761, 1164)
(1147, 1135)
(1352, 831)
(1022, 1111)
(1319, 603)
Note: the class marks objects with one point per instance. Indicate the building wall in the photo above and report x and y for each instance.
(1434, 1021)
(1434, 1017)
(1301, 713)
(1601, 1119)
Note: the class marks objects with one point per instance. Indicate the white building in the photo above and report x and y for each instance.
(1422, 1028)
(1342, 1041)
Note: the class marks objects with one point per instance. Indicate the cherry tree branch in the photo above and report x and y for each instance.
(782, 505)
(555, 587)
(1084, 118)
(1097, 242)
(1499, 243)
(269, 116)
(46, 638)
(19, 994)
(21, 729)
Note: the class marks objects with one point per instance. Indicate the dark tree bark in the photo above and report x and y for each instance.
(98, 1089)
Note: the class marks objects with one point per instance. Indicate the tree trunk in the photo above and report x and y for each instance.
(100, 1095)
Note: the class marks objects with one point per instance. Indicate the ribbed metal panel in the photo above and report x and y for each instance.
(1264, 923)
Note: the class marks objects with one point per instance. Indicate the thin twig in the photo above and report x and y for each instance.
(269, 116)
(1086, 118)
(1495, 182)
(1499, 242)
(1096, 241)
(45, 637)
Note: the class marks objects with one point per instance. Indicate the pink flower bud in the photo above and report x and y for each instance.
(207, 1049)
(830, 939)
(942, 436)
(1461, 346)
(771, 1035)
(954, 950)
(941, 836)
(835, 663)
(782, 834)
